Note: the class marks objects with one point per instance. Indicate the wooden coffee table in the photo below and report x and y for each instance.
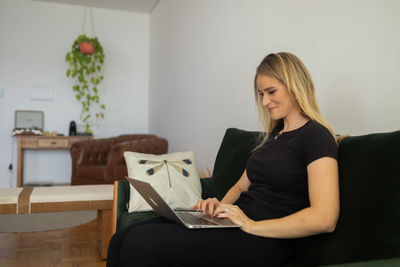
(64, 198)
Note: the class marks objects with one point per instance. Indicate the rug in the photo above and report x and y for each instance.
(45, 221)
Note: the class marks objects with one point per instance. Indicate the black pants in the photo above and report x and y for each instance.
(159, 242)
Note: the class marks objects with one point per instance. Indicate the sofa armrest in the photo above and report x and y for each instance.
(122, 198)
(77, 149)
(77, 156)
(123, 218)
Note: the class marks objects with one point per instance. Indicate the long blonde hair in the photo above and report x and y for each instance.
(288, 69)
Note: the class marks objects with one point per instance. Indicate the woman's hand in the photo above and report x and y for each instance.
(207, 206)
(235, 214)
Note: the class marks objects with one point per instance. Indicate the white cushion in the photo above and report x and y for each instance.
(174, 176)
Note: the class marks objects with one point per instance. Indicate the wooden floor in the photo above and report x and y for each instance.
(68, 247)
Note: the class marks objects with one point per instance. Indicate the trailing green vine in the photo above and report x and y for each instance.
(85, 70)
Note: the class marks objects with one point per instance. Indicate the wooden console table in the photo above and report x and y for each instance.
(42, 143)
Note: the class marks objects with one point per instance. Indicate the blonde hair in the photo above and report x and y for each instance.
(288, 69)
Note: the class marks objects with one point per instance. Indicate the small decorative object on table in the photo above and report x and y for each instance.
(28, 122)
(72, 128)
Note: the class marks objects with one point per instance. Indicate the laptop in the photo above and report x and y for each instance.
(190, 219)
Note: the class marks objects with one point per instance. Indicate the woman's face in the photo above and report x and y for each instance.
(275, 97)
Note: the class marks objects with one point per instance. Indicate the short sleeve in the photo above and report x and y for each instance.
(317, 143)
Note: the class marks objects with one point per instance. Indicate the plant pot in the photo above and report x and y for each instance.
(87, 48)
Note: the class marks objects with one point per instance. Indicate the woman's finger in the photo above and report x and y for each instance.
(197, 205)
(204, 205)
(213, 204)
(222, 215)
(211, 207)
(221, 209)
(217, 204)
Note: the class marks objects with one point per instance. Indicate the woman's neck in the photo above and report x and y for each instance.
(293, 122)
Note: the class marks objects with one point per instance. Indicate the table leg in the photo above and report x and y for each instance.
(20, 164)
(104, 231)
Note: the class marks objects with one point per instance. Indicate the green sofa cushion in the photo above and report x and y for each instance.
(369, 223)
(123, 217)
(231, 160)
(130, 218)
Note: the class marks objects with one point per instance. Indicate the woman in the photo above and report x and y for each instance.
(288, 190)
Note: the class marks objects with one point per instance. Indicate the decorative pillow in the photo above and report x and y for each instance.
(174, 176)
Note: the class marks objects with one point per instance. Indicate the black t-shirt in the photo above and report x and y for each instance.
(278, 171)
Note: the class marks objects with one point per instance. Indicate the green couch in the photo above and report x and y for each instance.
(368, 230)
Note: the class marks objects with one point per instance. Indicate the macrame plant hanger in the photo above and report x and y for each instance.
(88, 6)
(85, 61)
(87, 47)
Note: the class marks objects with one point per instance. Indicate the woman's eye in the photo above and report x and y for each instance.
(260, 93)
(271, 92)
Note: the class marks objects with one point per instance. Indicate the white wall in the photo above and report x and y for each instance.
(35, 36)
(204, 54)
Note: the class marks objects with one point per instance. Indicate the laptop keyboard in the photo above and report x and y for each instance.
(194, 220)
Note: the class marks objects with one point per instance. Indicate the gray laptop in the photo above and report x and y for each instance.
(190, 219)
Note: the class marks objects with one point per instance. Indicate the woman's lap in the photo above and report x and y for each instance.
(159, 242)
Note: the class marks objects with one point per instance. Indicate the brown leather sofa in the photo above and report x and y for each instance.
(101, 161)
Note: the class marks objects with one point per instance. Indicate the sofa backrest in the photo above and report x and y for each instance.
(131, 137)
(369, 178)
(235, 149)
(369, 222)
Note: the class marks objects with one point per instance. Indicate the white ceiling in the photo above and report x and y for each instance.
(142, 6)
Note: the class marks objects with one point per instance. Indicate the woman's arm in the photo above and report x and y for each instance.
(233, 194)
(209, 205)
(320, 217)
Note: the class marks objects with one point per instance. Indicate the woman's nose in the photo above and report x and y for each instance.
(265, 101)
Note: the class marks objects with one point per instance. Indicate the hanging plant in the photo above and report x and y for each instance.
(85, 61)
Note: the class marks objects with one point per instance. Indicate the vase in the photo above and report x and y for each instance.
(87, 48)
